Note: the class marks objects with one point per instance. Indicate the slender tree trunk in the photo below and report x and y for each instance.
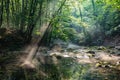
(7, 11)
(22, 24)
(81, 18)
(39, 17)
(80, 13)
(1, 13)
(94, 10)
(31, 21)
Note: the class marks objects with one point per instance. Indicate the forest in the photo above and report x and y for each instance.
(59, 39)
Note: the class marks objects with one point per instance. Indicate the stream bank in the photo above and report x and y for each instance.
(67, 63)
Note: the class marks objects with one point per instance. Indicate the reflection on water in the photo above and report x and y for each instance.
(80, 64)
(66, 69)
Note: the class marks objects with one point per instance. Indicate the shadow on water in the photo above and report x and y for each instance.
(46, 71)
(56, 67)
(66, 69)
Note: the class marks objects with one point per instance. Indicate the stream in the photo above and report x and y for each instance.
(69, 63)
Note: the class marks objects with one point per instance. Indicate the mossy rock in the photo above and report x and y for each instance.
(91, 52)
(101, 48)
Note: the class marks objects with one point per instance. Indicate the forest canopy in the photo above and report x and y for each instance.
(77, 21)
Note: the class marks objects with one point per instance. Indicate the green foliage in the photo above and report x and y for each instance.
(83, 17)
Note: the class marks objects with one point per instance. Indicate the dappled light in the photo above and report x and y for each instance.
(59, 40)
(31, 50)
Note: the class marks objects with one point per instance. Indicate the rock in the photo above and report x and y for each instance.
(97, 57)
(66, 56)
(105, 66)
(112, 52)
(109, 51)
(117, 47)
(78, 57)
(91, 52)
(70, 50)
(111, 47)
(91, 55)
(62, 50)
(101, 48)
(98, 65)
(106, 78)
(57, 47)
(86, 57)
(76, 51)
(118, 53)
(55, 54)
(59, 57)
(118, 63)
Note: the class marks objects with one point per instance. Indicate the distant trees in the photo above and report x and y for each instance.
(54, 20)
(108, 17)
(95, 19)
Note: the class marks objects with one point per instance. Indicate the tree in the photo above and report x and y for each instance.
(1, 12)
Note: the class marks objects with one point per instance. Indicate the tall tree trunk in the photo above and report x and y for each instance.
(80, 12)
(1, 12)
(39, 17)
(22, 24)
(94, 10)
(31, 21)
(7, 11)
